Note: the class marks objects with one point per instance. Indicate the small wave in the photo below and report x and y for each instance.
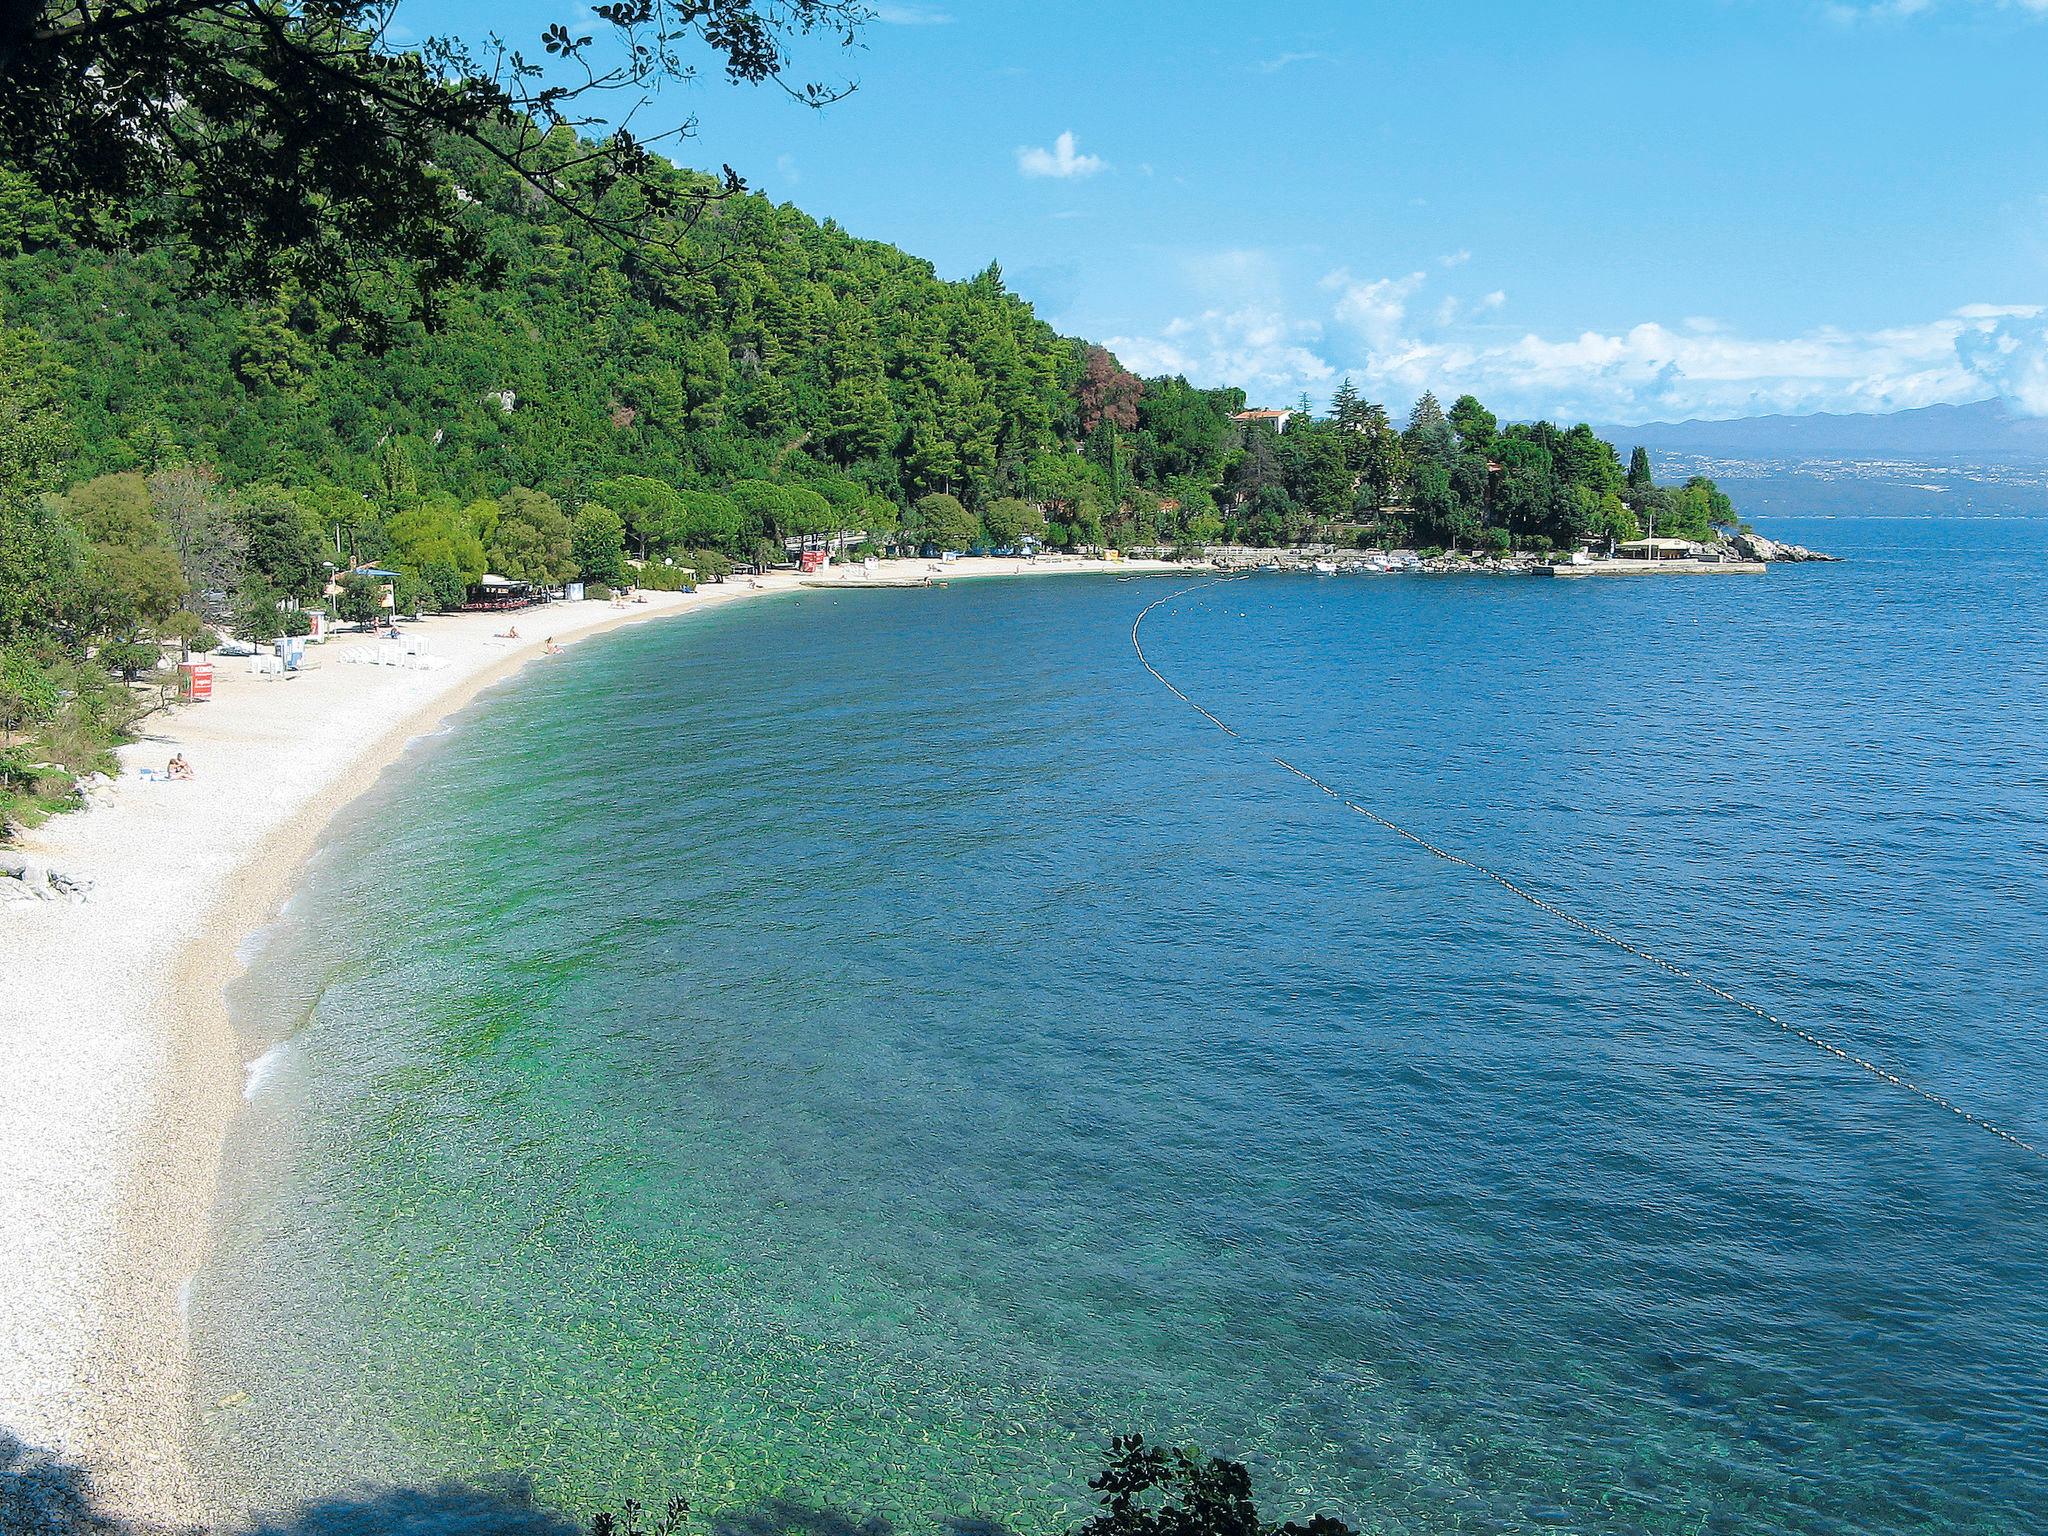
(439, 730)
(259, 1072)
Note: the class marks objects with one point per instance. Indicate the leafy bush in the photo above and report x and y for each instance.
(29, 693)
(598, 592)
(656, 577)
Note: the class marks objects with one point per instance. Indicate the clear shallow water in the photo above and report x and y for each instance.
(868, 1048)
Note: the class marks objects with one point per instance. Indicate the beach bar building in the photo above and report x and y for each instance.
(1657, 549)
(494, 592)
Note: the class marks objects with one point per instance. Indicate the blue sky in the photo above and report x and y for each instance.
(1619, 211)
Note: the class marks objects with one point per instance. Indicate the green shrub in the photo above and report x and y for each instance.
(29, 692)
(656, 577)
(598, 592)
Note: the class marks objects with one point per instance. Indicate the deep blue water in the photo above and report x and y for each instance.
(869, 1047)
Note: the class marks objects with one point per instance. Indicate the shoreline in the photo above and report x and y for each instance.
(130, 1070)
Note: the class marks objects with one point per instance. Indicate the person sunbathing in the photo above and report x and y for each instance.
(510, 634)
(550, 648)
(178, 768)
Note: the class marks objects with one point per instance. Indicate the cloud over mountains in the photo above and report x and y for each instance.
(1398, 335)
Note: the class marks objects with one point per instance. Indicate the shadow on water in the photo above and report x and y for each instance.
(43, 1496)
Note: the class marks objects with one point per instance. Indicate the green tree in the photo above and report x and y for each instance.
(280, 543)
(1474, 425)
(941, 520)
(259, 615)
(439, 528)
(530, 541)
(704, 520)
(646, 506)
(597, 543)
(764, 505)
(199, 521)
(1640, 480)
(1011, 520)
(361, 600)
(43, 564)
(35, 437)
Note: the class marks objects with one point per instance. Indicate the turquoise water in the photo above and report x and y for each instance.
(864, 1049)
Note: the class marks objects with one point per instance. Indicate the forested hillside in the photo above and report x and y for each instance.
(172, 463)
(761, 345)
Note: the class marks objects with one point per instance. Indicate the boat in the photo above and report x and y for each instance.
(1323, 568)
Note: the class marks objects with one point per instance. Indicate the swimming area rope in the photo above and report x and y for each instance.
(1593, 930)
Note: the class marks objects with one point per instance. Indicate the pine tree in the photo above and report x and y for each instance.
(1344, 404)
(1427, 416)
(1640, 481)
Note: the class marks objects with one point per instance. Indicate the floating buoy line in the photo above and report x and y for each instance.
(1593, 930)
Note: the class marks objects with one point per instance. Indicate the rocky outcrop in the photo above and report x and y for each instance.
(1754, 546)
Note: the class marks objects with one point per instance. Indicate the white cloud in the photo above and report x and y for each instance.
(1062, 162)
(1455, 259)
(1376, 309)
(911, 16)
(1653, 370)
(1251, 346)
(1396, 341)
(1849, 12)
(786, 167)
(1274, 65)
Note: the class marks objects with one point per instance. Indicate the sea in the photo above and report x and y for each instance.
(842, 1058)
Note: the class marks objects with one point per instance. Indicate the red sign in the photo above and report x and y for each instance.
(195, 679)
(811, 560)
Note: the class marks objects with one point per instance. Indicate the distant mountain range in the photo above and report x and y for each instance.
(1984, 430)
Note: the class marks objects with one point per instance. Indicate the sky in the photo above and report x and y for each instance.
(1613, 210)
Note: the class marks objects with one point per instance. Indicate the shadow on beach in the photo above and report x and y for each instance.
(43, 1496)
